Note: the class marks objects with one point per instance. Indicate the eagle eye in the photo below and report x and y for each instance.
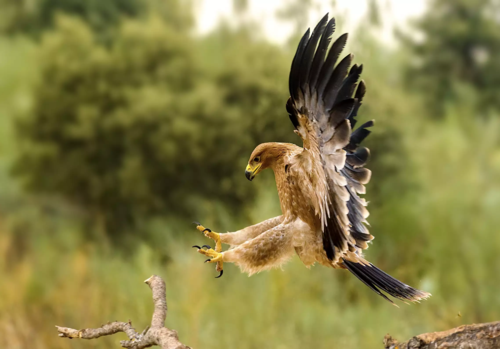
(256, 159)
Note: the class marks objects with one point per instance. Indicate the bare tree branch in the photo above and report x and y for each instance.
(484, 336)
(156, 334)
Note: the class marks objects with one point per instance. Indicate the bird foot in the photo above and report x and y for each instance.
(212, 235)
(214, 254)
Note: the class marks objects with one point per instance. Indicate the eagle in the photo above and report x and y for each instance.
(323, 217)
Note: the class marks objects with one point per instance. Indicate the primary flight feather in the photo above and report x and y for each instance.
(323, 218)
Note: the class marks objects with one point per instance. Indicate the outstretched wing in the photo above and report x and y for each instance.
(323, 104)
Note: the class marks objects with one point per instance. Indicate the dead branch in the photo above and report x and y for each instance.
(156, 334)
(484, 336)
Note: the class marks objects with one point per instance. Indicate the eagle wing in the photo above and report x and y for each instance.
(323, 104)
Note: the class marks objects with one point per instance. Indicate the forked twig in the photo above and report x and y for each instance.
(156, 334)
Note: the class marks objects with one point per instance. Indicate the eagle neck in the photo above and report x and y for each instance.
(283, 187)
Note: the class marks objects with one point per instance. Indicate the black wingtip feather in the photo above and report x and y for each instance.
(307, 57)
(332, 88)
(380, 281)
(295, 69)
(328, 66)
(364, 279)
(349, 84)
(360, 93)
(359, 157)
(358, 136)
(319, 57)
(361, 90)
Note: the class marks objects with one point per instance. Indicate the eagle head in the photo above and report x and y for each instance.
(264, 155)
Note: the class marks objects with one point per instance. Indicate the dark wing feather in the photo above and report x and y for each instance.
(360, 93)
(380, 281)
(320, 55)
(333, 86)
(295, 70)
(307, 58)
(349, 84)
(329, 64)
(323, 110)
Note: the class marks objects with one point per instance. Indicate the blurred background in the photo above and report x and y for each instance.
(122, 121)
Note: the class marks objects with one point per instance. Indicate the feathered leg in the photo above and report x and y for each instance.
(269, 249)
(239, 236)
(233, 239)
(248, 233)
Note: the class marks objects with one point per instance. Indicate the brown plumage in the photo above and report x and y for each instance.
(323, 218)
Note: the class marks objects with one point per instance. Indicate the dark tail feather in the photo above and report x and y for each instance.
(380, 281)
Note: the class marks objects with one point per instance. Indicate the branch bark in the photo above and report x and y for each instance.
(156, 334)
(484, 336)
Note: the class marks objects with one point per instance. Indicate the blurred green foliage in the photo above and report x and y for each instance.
(460, 50)
(110, 148)
(147, 125)
(33, 17)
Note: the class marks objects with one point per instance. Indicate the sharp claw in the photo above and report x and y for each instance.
(197, 223)
(209, 247)
(206, 229)
(208, 260)
(196, 246)
(221, 272)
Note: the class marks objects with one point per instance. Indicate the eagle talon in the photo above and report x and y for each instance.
(212, 235)
(221, 272)
(214, 254)
(196, 246)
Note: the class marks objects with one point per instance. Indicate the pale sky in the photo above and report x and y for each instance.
(347, 12)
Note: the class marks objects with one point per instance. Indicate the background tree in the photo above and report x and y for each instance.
(149, 125)
(33, 17)
(458, 54)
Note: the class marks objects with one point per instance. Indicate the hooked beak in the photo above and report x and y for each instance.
(250, 172)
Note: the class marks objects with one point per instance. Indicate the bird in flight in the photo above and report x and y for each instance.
(323, 218)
